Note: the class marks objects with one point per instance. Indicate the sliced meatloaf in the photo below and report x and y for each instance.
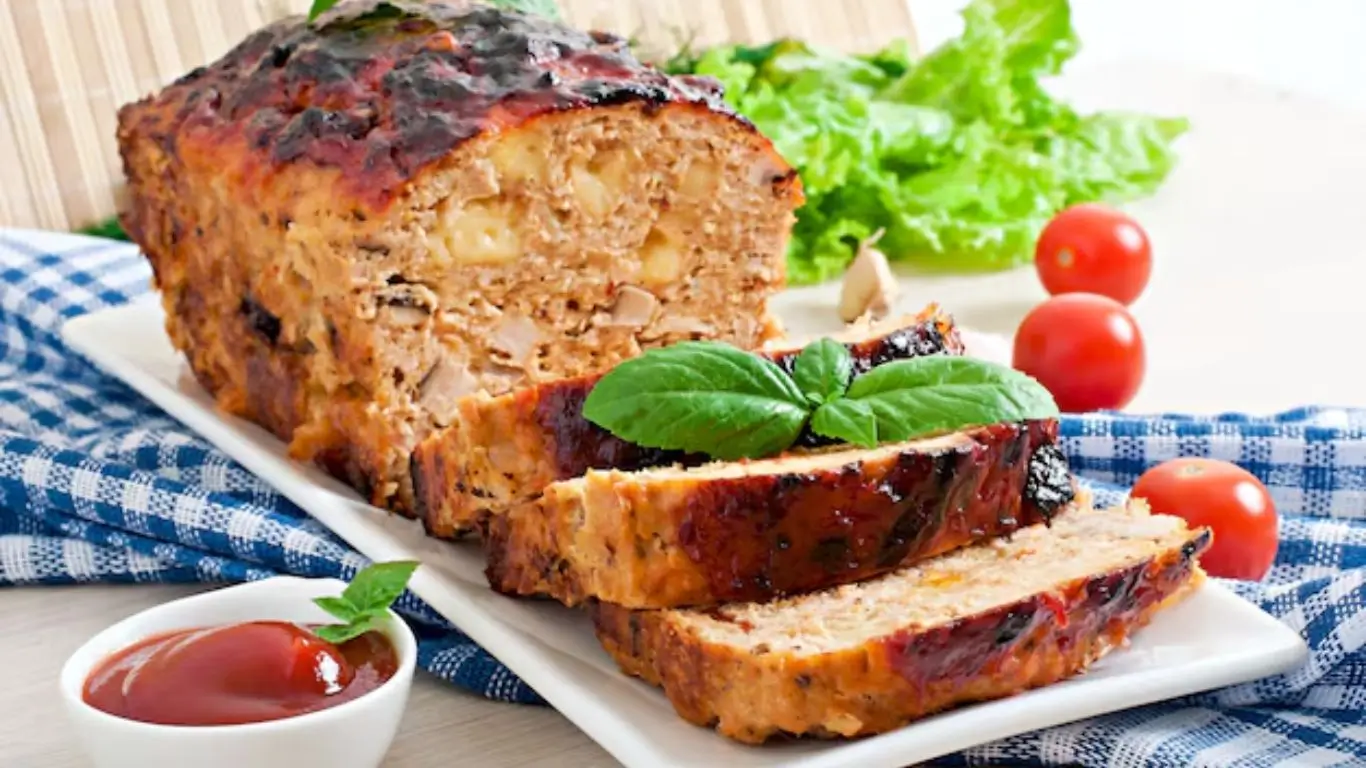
(981, 623)
(505, 449)
(357, 220)
(755, 530)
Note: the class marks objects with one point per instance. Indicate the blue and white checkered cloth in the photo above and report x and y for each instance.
(97, 485)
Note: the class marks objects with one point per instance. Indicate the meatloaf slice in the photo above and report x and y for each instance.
(721, 532)
(504, 450)
(981, 623)
(356, 220)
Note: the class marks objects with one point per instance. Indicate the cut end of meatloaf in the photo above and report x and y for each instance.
(356, 221)
(504, 450)
(981, 623)
(755, 530)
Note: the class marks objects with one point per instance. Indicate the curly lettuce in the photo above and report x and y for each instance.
(960, 156)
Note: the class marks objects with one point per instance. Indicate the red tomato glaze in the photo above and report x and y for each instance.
(238, 673)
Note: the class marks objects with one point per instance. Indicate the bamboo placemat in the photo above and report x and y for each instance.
(67, 65)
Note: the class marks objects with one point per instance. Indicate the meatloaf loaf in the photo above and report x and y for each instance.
(504, 450)
(356, 220)
(981, 623)
(755, 530)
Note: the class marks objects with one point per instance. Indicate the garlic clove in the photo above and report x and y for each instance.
(869, 288)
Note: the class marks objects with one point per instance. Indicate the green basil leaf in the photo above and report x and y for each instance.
(823, 370)
(361, 15)
(852, 421)
(339, 607)
(374, 588)
(319, 7)
(928, 395)
(364, 601)
(701, 397)
(109, 228)
(340, 633)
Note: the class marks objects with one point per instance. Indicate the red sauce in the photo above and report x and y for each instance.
(238, 673)
(759, 536)
(1041, 630)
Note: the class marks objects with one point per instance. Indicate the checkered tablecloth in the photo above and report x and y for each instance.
(97, 485)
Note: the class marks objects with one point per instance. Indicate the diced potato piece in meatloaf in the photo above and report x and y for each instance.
(355, 221)
(755, 530)
(504, 450)
(981, 623)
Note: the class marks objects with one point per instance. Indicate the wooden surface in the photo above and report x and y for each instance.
(443, 726)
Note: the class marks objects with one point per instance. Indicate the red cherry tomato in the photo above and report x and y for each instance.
(1085, 349)
(1228, 499)
(1090, 248)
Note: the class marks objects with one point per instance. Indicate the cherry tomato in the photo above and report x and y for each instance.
(1090, 248)
(1228, 499)
(1085, 349)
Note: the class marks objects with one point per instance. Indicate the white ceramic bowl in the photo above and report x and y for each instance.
(356, 734)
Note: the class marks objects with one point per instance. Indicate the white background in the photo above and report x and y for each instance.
(1258, 299)
(1314, 47)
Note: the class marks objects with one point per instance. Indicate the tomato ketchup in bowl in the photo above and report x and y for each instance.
(237, 673)
(238, 676)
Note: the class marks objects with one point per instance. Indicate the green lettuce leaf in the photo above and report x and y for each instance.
(960, 156)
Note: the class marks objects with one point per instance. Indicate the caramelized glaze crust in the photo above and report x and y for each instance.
(380, 90)
(718, 534)
(751, 692)
(505, 450)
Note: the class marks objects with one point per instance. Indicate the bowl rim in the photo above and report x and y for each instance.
(73, 676)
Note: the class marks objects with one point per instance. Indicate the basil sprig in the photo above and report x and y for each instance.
(715, 399)
(366, 599)
(701, 397)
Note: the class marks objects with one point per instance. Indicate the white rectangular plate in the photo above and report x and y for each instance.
(1211, 640)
